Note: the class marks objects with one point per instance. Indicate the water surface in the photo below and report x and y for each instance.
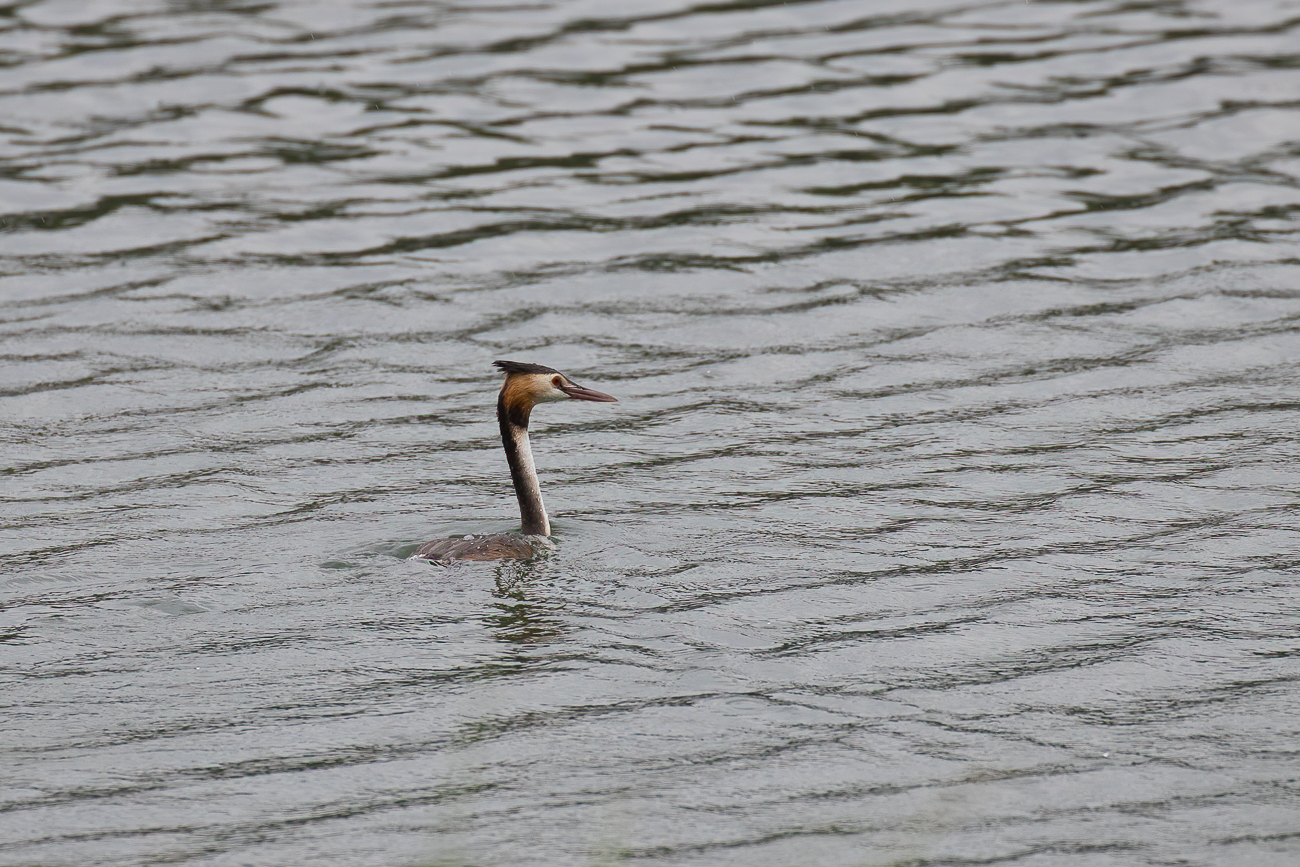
(947, 516)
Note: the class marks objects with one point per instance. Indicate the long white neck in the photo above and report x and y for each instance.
(519, 454)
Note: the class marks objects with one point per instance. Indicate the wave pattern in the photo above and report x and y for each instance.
(948, 515)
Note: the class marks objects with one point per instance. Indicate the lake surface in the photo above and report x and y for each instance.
(948, 515)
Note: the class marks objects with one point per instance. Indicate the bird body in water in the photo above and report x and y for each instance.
(525, 386)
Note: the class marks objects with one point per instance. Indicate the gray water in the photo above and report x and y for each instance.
(947, 516)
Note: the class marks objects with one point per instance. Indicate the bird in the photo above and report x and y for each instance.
(525, 386)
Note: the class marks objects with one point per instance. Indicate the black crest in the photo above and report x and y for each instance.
(523, 367)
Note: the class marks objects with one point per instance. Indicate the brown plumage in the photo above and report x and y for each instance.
(526, 385)
(500, 546)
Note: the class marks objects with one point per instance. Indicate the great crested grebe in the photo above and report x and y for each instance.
(526, 386)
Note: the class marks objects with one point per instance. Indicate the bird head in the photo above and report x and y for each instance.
(527, 385)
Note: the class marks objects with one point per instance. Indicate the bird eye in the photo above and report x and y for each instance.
(557, 382)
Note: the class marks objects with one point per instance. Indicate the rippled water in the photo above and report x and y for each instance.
(948, 515)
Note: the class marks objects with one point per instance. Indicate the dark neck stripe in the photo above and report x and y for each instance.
(514, 439)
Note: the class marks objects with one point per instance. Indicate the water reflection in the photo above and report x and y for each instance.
(524, 614)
